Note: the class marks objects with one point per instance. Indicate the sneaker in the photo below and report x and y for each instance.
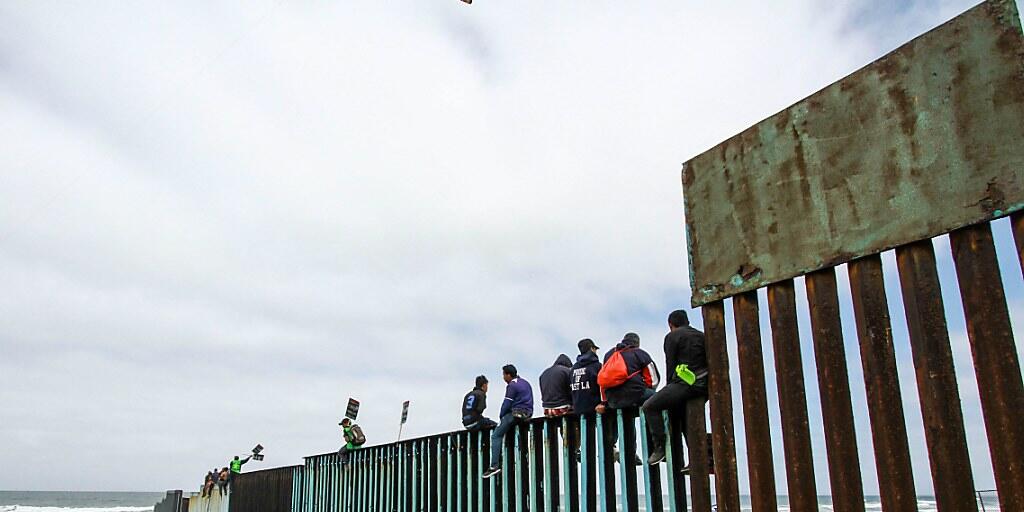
(637, 461)
(657, 456)
(491, 471)
(615, 454)
(579, 457)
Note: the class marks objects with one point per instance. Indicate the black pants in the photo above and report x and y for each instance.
(672, 398)
(483, 423)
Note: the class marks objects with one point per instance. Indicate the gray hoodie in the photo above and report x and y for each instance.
(555, 384)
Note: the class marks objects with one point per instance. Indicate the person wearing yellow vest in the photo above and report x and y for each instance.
(236, 467)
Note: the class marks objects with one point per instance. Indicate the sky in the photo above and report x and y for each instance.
(220, 220)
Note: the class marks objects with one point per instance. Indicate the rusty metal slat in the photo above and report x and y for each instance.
(727, 491)
(697, 442)
(789, 370)
(995, 357)
(885, 403)
(936, 377)
(755, 402)
(1017, 222)
(834, 384)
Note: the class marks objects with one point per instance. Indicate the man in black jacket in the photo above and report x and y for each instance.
(473, 406)
(687, 366)
(644, 376)
(585, 393)
(640, 386)
(555, 388)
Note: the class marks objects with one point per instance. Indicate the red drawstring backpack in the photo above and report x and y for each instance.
(614, 373)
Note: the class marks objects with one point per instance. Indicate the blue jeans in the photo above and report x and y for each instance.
(498, 438)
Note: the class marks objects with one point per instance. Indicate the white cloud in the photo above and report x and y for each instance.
(217, 222)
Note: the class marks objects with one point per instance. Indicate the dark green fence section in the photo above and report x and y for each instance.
(268, 490)
(573, 463)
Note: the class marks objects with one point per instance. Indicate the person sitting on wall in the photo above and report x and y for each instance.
(556, 388)
(627, 379)
(354, 438)
(473, 406)
(222, 481)
(687, 363)
(585, 392)
(517, 407)
(208, 484)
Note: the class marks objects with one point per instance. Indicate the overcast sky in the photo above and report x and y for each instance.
(218, 221)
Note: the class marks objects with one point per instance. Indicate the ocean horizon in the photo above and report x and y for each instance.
(100, 501)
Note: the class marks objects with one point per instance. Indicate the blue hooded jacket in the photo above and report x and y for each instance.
(518, 398)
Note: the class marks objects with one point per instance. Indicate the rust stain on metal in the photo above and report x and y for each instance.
(924, 140)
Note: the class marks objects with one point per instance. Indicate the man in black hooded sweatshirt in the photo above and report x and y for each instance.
(585, 392)
(555, 390)
(687, 365)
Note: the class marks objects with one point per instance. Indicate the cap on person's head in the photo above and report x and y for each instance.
(631, 338)
(510, 370)
(586, 345)
(678, 318)
(480, 381)
(236, 457)
(344, 421)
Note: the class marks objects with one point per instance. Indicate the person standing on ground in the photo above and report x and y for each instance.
(687, 365)
(473, 406)
(354, 438)
(627, 379)
(556, 388)
(517, 407)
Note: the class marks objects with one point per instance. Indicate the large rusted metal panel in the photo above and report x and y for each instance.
(925, 140)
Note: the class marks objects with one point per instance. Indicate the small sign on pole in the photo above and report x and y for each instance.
(353, 409)
(405, 417)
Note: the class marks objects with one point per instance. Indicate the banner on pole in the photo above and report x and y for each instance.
(405, 411)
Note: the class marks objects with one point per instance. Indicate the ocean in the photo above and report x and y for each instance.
(34, 501)
(59, 501)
